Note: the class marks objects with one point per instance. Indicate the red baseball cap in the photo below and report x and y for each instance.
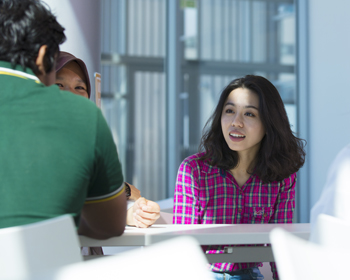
(64, 58)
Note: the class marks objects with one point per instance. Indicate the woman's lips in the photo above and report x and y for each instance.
(236, 137)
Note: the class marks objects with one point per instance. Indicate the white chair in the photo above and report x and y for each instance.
(29, 250)
(332, 232)
(178, 258)
(298, 259)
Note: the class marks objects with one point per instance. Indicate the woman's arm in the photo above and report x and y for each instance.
(285, 202)
(186, 203)
(135, 193)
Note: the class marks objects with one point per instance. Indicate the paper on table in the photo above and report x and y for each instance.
(158, 228)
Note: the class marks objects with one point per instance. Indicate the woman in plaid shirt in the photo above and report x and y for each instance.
(247, 170)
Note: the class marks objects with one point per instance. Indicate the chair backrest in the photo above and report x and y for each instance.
(331, 231)
(298, 259)
(177, 258)
(28, 250)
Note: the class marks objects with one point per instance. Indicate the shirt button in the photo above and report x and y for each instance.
(265, 214)
(239, 210)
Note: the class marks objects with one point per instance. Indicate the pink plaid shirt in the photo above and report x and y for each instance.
(205, 194)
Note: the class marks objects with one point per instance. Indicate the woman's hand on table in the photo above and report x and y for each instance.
(144, 213)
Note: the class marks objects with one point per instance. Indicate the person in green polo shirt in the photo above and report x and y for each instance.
(72, 75)
(57, 154)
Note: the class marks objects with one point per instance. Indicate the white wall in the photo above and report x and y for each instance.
(329, 96)
(81, 19)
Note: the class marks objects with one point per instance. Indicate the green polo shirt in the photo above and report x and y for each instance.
(56, 151)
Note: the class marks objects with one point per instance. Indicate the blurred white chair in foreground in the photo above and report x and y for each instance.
(29, 250)
(178, 258)
(332, 232)
(298, 259)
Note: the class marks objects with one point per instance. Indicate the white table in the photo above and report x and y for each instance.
(215, 234)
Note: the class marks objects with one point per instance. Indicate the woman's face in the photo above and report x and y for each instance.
(71, 78)
(240, 121)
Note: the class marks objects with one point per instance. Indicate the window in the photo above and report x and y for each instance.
(217, 41)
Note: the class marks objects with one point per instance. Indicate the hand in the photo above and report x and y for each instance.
(145, 212)
(135, 193)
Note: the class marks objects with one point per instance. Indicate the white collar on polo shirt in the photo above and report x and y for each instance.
(16, 73)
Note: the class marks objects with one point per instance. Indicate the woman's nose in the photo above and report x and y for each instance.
(237, 121)
(67, 87)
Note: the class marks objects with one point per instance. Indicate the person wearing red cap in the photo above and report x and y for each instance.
(72, 75)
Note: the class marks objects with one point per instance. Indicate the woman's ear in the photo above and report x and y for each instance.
(40, 60)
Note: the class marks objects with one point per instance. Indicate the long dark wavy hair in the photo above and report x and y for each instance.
(281, 153)
(25, 26)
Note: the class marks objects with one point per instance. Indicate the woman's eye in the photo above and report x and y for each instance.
(59, 85)
(80, 88)
(229, 111)
(249, 114)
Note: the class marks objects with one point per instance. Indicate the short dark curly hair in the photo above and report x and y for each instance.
(281, 152)
(25, 26)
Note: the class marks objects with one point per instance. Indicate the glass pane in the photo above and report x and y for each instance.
(133, 89)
